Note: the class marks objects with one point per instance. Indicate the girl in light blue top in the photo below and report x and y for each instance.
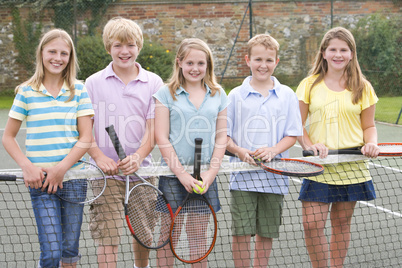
(192, 105)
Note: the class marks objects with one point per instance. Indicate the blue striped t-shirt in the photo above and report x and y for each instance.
(51, 122)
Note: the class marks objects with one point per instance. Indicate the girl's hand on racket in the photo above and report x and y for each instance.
(265, 154)
(208, 178)
(188, 181)
(33, 176)
(130, 164)
(319, 149)
(108, 165)
(370, 150)
(54, 179)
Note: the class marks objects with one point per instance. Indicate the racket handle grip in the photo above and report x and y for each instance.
(7, 177)
(355, 151)
(308, 153)
(115, 141)
(230, 154)
(197, 158)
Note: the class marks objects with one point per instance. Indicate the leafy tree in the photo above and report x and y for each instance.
(92, 55)
(378, 40)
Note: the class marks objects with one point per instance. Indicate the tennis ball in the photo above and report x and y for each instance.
(200, 189)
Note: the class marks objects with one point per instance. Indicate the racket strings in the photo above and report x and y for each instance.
(193, 231)
(84, 190)
(292, 166)
(148, 216)
(390, 148)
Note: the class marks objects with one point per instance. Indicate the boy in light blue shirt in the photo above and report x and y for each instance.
(263, 122)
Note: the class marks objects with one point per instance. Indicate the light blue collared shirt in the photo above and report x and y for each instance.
(255, 121)
(188, 123)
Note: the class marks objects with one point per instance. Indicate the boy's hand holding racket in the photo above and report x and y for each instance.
(130, 164)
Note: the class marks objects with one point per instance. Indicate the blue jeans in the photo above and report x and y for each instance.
(59, 226)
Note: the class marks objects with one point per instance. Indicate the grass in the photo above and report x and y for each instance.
(387, 108)
(6, 101)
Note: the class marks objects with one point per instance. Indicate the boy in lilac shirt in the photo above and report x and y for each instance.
(121, 95)
(263, 121)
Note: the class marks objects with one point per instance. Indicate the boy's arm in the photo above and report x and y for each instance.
(33, 175)
(132, 163)
(243, 153)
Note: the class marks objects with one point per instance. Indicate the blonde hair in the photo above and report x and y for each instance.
(265, 40)
(69, 74)
(177, 79)
(122, 30)
(355, 80)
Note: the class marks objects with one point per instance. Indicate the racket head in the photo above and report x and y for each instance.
(390, 148)
(193, 230)
(85, 190)
(291, 167)
(148, 215)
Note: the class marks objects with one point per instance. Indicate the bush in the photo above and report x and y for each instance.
(378, 41)
(92, 55)
(26, 35)
(157, 59)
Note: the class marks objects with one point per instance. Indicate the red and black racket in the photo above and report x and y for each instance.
(289, 166)
(386, 149)
(194, 229)
(147, 211)
(80, 186)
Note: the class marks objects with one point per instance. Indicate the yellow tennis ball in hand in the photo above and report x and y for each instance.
(200, 189)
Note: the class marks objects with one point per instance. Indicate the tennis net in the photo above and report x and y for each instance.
(376, 240)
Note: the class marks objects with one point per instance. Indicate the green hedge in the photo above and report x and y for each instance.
(93, 57)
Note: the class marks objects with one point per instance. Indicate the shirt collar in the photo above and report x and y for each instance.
(182, 90)
(142, 76)
(63, 90)
(247, 89)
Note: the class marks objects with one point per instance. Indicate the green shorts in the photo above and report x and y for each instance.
(256, 213)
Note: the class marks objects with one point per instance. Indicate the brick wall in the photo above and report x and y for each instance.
(297, 25)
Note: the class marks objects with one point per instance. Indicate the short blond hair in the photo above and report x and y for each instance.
(263, 39)
(122, 30)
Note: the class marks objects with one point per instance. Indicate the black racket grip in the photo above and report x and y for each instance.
(355, 151)
(229, 153)
(7, 177)
(116, 143)
(197, 158)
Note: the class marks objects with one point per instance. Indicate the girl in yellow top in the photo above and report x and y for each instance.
(340, 104)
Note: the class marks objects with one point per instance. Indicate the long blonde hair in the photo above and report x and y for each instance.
(355, 80)
(177, 79)
(69, 74)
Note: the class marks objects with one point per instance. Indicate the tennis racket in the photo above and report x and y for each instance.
(147, 211)
(289, 166)
(79, 186)
(194, 228)
(386, 149)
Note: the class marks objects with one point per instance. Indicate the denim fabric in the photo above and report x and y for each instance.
(59, 226)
